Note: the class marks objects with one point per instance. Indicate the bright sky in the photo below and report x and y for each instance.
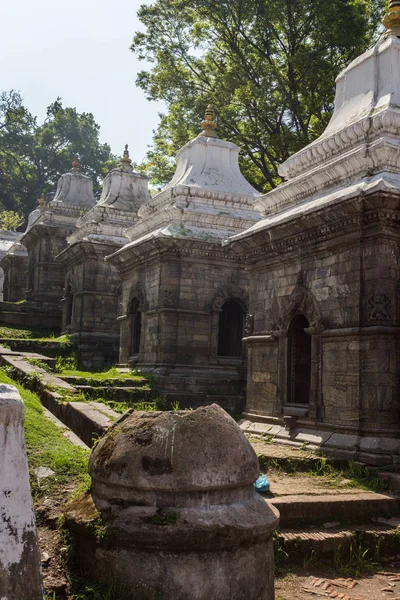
(79, 51)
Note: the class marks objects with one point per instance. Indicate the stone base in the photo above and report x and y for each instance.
(193, 387)
(194, 576)
(31, 315)
(367, 448)
(97, 351)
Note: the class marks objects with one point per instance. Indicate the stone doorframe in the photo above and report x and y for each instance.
(136, 294)
(223, 295)
(301, 301)
(69, 292)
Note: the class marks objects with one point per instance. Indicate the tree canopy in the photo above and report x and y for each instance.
(33, 156)
(267, 66)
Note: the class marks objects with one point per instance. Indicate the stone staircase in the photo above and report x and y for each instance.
(313, 520)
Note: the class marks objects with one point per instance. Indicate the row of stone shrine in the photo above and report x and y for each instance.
(307, 274)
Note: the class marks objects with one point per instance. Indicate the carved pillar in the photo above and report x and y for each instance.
(281, 398)
(316, 409)
(214, 323)
(124, 342)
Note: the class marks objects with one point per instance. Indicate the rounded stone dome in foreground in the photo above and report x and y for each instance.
(182, 520)
(172, 452)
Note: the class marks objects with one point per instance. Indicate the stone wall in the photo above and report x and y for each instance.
(46, 276)
(15, 267)
(180, 298)
(344, 279)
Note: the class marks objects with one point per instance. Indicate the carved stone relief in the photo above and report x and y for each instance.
(379, 308)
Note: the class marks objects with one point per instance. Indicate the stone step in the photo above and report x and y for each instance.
(112, 382)
(300, 511)
(392, 478)
(298, 544)
(4, 351)
(132, 394)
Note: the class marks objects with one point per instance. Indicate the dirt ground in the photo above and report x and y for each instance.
(302, 585)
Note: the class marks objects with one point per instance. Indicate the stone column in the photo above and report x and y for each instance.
(20, 573)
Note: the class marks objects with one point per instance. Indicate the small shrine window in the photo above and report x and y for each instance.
(299, 361)
(230, 329)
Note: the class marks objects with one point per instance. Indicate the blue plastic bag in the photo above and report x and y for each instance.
(262, 484)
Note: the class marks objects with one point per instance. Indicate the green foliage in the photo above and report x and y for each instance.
(356, 561)
(66, 363)
(36, 362)
(267, 66)
(47, 446)
(10, 220)
(33, 156)
(281, 556)
(25, 334)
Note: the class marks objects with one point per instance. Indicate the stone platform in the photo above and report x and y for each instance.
(378, 451)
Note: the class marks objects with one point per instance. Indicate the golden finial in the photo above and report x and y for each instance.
(208, 124)
(125, 161)
(75, 163)
(392, 18)
(41, 201)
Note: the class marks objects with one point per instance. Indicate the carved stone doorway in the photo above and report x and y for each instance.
(299, 362)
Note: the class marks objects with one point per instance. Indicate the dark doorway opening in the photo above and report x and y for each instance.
(299, 361)
(230, 329)
(69, 305)
(135, 327)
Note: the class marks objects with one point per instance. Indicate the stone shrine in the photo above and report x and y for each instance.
(15, 263)
(92, 286)
(47, 237)
(174, 493)
(7, 241)
(324, 264)
(184, 296)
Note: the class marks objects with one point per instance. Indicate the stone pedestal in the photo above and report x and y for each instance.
(177, 509)
(20, 574)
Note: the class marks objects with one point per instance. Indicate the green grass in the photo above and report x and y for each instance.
(354, 475)
(24, 334)
(39, 335)
(101, 375)
(47, 447)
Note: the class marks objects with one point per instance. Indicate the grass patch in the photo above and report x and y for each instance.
(355, 475)
(357, 560)
(47, 447)
(25, 334)
(112, 374)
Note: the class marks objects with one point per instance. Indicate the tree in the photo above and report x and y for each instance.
(10, 220)
(32, 156)
(268, 67)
